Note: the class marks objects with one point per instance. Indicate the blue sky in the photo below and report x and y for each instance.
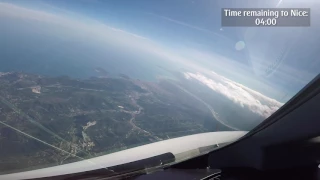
(184, 32)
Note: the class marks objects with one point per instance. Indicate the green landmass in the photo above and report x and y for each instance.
(47, 121)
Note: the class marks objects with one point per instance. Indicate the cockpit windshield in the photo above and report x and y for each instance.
(84, 78)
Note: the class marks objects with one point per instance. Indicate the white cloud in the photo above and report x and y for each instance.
(238, 93)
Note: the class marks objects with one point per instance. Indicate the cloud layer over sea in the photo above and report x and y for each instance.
(238, 93)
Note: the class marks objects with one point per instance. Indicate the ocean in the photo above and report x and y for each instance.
(26, 49)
